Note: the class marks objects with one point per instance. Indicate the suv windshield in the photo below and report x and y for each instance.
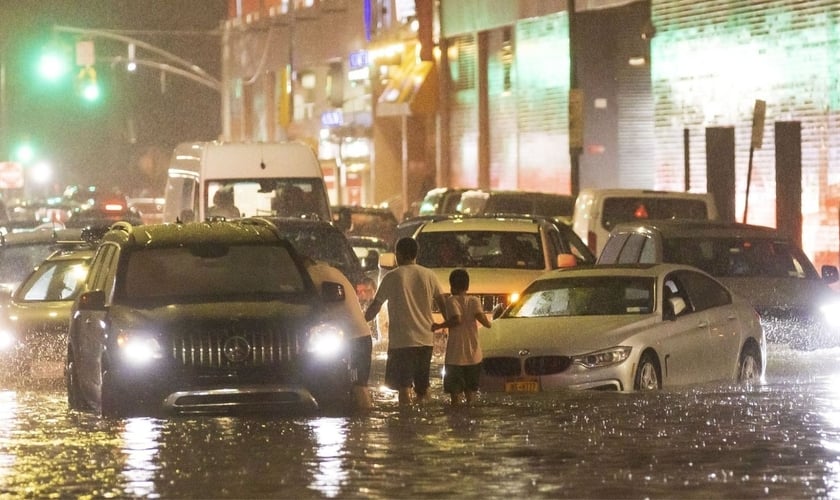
(738, 257)
(209, 271)
(495, 249)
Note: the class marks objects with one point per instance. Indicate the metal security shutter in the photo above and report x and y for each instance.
(504, 131)
(463, 118)
(542, 88)
(709, 66)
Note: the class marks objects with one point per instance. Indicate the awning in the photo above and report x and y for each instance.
(412, 91)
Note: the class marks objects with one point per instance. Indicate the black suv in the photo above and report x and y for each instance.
(208, 317)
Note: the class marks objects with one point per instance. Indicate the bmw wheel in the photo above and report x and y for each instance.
(648, 374)
(749, 365)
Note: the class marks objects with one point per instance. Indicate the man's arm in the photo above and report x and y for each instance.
(373, 310)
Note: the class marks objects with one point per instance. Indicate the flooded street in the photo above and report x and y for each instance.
(777, 440)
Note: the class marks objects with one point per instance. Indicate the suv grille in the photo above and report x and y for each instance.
(234, 348)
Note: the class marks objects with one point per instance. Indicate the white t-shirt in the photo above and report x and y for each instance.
(462, 346)
(409, 292)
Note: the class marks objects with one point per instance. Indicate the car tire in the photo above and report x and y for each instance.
(75, 400)
(749, 364)
(648, 375)
(111, 403)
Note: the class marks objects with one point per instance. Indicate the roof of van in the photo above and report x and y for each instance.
(698, 228)
(640, 192)
(270, 157)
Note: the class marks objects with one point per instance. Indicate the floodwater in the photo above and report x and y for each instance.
(780, 439)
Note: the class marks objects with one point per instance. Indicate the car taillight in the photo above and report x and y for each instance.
(592, 241)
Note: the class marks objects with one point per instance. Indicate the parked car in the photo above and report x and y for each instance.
(559, 207)
(796, 304)
(622, 328)
(367, 250)
(442, 200)
(357, 220)
(321, 241)
(21, 252)
(209, 317)
(502, 254)
(149, 209)
(597, 211)
(34, 319)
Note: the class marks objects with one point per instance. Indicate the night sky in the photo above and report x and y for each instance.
(101, 143)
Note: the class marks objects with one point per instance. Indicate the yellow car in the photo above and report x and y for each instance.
(35, 317)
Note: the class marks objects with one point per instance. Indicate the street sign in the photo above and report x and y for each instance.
(11, 175)
(84, 53)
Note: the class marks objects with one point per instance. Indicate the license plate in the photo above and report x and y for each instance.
(522, 386)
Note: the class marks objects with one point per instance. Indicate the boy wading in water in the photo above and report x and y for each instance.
(463, 353)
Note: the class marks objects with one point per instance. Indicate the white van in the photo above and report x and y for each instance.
(234, 180)
(598, 210)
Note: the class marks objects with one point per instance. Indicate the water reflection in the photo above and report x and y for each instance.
(330, 465)
(8, 426)
(141, 440)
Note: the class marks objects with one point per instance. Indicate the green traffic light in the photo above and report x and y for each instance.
(90, 91)
(24, 153)
(52, 66)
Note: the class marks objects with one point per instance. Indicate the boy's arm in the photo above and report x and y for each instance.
(482, 318)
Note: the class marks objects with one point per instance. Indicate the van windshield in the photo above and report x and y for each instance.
(281, 197)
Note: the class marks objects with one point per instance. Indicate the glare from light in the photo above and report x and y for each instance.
(326, 341)
(41, 172)
(139, 347)
(7, 340)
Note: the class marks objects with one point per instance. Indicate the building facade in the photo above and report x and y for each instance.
(519, 94)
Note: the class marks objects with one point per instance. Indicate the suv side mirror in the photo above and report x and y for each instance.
(565, 260)
(388, 260)
(332, 292)
(829, 274)
(92, 301)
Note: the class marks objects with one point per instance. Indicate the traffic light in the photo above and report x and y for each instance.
(86, 84)
(54, 63)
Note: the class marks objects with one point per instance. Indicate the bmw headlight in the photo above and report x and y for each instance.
(139, 347)
(600, 359)
(325, 341)
(830, 312)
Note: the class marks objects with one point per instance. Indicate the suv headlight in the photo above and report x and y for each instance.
(600, 359)
(326, 341)
(7, 339)
(830, 312)
(139, 347)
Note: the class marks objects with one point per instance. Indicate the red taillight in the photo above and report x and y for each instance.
(592, 241)
(114, 207)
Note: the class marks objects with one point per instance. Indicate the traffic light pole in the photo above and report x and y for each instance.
(182, 66)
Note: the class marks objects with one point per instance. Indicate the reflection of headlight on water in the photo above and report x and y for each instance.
(7, 340)
(831, 313)
(138, 347)
(325, 341)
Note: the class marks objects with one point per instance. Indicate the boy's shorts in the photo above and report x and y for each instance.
(461, 378)
(407, 367)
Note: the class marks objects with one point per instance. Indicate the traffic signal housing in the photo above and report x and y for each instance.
(87, 85)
